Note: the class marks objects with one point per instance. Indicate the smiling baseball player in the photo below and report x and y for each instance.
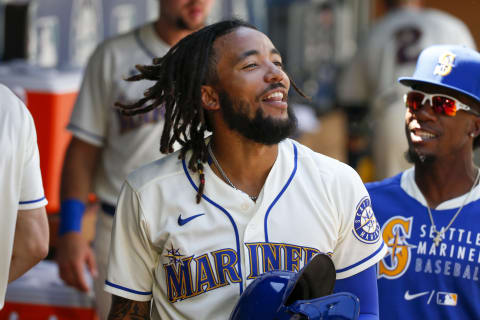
(193, 229)
(429, 213)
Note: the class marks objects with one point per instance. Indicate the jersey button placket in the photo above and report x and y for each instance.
(251, 235)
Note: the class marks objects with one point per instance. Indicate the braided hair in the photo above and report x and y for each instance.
(179, 76)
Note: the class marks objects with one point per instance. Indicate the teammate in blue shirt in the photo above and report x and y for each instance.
(429, 213)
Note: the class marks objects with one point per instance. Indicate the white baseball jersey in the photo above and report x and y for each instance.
(127, 142)
(20, 178)
(196, 259)
(389, 52)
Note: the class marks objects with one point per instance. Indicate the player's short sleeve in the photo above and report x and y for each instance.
(89, 118)
(360, 244)
(132, 259)
(31, 192)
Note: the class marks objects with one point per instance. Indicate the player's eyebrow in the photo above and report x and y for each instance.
(253, 52)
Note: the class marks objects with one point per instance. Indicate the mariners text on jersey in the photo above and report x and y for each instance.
(218, 268)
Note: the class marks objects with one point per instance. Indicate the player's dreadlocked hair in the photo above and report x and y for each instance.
(179, 76)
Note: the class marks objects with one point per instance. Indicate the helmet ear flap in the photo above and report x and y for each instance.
(315, 280)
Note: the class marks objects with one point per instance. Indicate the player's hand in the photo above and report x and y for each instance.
(73, 253)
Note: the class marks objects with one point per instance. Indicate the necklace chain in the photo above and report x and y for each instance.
(438, 234)
(224, 176)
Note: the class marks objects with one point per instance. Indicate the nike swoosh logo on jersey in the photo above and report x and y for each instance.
(409, 296)
(181, 221)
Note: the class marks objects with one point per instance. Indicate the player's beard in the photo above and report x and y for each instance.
(182, 25)
(262, 129)
(412, 156)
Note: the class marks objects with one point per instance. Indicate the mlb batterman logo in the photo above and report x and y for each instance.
(445, 64)
(365, 226)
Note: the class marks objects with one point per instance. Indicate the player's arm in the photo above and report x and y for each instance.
(73, 251)
(30, 242)
(364, 286)
(128, 309)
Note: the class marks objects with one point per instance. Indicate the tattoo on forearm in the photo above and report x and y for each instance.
(125, 309)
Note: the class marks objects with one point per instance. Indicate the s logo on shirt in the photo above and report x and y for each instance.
(395, 233)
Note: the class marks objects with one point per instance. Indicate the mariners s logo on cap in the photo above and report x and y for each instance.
(445, 64)
(454, 67)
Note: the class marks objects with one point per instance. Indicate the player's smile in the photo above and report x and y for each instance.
(432, 133)
(250, 67)
(419, 135)
(276, 98)
(424, 135)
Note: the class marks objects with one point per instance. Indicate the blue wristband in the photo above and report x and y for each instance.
(71, 214)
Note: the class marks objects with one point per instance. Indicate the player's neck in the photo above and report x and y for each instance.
(245, 163)
(170, 34)
(440, 181)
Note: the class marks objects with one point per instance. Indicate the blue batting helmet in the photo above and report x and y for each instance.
(285, 295)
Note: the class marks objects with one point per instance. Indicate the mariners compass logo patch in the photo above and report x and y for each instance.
(365, 226)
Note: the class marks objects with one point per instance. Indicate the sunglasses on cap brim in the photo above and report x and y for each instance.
(440, 103)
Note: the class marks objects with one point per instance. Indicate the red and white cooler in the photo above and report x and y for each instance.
(50, 95)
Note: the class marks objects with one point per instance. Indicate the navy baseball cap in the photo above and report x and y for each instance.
(450, 66)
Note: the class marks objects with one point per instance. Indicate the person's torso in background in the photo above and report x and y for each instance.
(127, 141)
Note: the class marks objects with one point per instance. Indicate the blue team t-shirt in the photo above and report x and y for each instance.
(416, 279)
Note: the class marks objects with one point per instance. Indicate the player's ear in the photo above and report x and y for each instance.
(210, 99)
(476, 126)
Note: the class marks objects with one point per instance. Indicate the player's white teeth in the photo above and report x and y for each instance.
(275, 96)
(424, 135)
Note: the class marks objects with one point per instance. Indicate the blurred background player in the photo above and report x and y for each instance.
(193, 229)
(430, 212)
(368, 85)
(24, 227)
(106, 145)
